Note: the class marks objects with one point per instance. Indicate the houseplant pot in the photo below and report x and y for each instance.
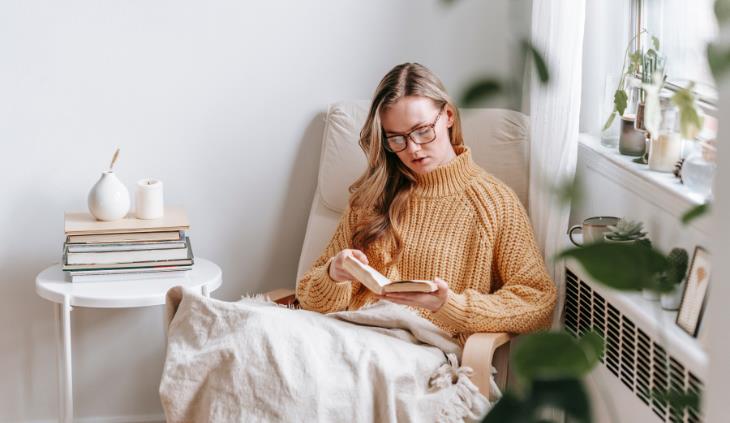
(671, 300)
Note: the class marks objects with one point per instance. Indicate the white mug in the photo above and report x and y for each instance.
(593, 229)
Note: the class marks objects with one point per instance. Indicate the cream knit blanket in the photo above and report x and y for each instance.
(255, 361)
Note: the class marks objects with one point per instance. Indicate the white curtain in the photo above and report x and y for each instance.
(557, 32)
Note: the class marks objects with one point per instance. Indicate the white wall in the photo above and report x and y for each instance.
(222, 100)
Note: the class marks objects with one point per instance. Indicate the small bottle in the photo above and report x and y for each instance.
(665, 149)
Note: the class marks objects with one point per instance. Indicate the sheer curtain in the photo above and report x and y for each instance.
(557, 31)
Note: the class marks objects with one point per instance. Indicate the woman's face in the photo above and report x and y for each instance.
(414, 115)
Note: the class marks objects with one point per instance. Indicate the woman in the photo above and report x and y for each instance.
(424, 210)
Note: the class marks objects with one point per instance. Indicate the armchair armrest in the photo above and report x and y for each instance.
(481, 352)
(282, 296)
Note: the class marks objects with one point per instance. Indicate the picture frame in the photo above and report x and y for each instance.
(695, 291)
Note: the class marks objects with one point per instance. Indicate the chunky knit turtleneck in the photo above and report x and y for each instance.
(466, 227)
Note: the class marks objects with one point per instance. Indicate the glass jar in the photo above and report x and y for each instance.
(698, 170)
(610, 135)
(665, 149)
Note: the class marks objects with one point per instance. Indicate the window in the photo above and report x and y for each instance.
(684, 29)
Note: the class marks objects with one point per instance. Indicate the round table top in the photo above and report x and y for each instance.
(53, 285)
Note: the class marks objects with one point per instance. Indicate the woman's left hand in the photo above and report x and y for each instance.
(431, 301)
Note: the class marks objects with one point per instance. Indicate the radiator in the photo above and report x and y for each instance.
(642, 352)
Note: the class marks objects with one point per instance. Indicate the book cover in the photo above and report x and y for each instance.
(123, 246)
(132, 256)
(140, 265)
(157, 269)
(126, 237)
(145, 261)
(379, 284)
(83, 223)
(116, 277)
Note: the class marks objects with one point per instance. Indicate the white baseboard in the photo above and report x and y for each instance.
(139, 418)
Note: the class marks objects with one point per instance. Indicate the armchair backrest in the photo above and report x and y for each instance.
(498, 139)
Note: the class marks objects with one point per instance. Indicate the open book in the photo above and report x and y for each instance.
(379, 284)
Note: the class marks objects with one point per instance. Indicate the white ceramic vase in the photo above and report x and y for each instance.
(672, 300)
(650, 295)
(109, 198)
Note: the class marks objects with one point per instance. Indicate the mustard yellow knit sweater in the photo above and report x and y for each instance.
(466, 227)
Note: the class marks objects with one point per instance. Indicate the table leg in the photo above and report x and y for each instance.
(65, 369)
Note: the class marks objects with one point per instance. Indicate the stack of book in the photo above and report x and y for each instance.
(128, 248)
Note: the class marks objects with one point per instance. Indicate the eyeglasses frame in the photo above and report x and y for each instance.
(408, 136)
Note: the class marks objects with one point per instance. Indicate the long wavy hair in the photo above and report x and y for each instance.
(386, 185)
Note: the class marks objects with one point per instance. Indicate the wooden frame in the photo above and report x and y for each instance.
(694, 297)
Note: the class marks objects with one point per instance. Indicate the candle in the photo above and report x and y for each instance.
(149, 200)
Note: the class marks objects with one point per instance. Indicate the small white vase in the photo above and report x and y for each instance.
(650, 295)
(671, 300)
(109, 198)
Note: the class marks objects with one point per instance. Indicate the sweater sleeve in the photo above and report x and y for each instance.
(317, 291)
(525, 296)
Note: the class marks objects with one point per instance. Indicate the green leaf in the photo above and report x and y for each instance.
(568, 395)
(719, 59)
(621, 266)
(722, 10)
(620, 100)
(695, 212)
(655, 42)
(482, 90)
(609, 121)
(537, 59)
(678, 400)
(552, 356)
(569, 192)
(510, 408)
(592, 344)
(690, 121)
(634, 62)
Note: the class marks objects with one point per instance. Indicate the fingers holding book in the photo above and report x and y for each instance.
(432, 301)
(337, 271)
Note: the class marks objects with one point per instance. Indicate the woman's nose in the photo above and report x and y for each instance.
(412, 146)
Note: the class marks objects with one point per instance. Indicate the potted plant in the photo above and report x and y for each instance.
(677, 262)
(625, 231)
(628, 100)
(630, 232)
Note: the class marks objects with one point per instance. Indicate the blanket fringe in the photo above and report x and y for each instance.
(467, 403)
(264, 299)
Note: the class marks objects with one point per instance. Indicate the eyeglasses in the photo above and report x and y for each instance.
(421, 135)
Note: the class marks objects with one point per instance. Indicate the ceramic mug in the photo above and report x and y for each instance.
(593, 229)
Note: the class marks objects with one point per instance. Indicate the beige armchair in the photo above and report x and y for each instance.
(498, 139)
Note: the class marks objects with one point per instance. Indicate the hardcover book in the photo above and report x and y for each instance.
(379, 284)
(83, 223)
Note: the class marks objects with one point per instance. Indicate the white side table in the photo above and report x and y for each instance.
(52, 285)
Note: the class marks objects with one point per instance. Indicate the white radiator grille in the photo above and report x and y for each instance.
(630, 354)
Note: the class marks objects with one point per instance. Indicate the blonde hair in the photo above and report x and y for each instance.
(385, 187)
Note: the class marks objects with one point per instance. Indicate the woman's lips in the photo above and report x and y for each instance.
(420, 160)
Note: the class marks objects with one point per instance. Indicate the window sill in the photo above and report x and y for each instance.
(661, 189)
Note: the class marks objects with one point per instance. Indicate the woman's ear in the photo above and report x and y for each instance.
(449, 116)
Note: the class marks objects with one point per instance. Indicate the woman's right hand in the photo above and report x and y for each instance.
(337, 271)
